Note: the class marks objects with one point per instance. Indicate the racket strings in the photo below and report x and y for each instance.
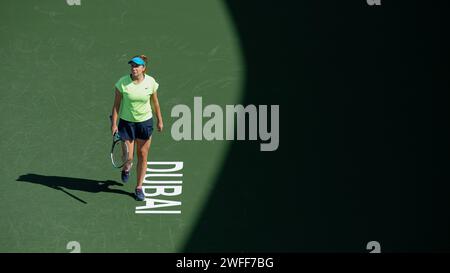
(119, 154)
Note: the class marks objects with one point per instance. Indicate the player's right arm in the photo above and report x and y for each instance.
(115, 111)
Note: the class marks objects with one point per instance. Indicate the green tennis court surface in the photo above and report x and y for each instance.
(361, 161)
(58, 66)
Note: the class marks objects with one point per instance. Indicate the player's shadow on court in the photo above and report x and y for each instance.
(70, 183)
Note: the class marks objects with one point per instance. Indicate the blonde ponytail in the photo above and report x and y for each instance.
(143, 57)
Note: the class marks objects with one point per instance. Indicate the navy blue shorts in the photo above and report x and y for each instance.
(135, 130)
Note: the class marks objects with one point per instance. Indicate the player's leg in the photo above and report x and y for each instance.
(143, 140)
(127, 132)
(142, 149)
(130, 145)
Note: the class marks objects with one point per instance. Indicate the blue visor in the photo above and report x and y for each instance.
(137, 60)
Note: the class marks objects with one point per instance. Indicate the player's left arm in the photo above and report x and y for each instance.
(155, 102)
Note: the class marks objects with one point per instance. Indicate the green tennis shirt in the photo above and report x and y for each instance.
(135, 105)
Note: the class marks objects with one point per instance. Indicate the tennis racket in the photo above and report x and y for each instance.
(119, 150)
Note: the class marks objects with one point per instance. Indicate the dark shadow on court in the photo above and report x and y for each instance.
(364, 135)
(62, 183)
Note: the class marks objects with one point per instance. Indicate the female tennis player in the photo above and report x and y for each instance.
(132, 106)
